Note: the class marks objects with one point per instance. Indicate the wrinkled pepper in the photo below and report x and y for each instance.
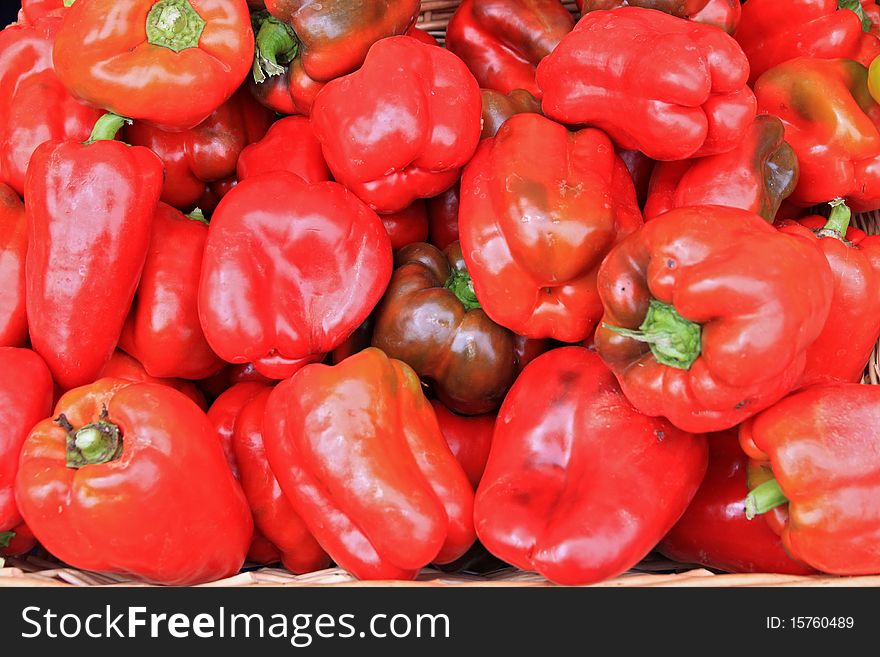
(205, 154)
(724, 14)
(26, 392)
(408, 226)
(503, 41)
(90, 207)
(579, 485)
(13, 249)
(169, 63)
(842, 350)
(129, 478)
(772, 32)
(533, 247)
(431, 320)
(163, 330)
(358, 452)
(714, 531)
(757, 175)
(817, 475)
(469, 438)
(289, 145)
(651, 75)
(290, 270)
(831, 122)
(695, 331)
(401, 127)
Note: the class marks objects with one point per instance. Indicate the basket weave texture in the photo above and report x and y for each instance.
(655, 571)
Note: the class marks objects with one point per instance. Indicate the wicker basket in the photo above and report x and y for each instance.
(654, 571)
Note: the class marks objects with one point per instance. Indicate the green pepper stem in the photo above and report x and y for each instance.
(6, 539)
(68, 3)
(674, 340)
(106, 127)
(838, 221)
(276, 46)
(197, 215)
(461, 285)
(763, 498)
(175, 25)
(94, 444)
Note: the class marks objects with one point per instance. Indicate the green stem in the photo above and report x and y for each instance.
(276, 46)
(106, 127)
(763, 498)
(461, 285)
(68, 3)
(197, 215)
(6, 539)
(856, 7)
(94, 444)
(175, 25)
(838, 221)
(674, 340)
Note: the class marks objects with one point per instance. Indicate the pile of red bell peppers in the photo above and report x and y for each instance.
(290, 281)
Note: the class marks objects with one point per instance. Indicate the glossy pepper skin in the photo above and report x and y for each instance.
(820, 449)
(502, 41)
(538, 278)
(579, 485)
(469, 438)
(90, 208)
(498, 107)
(757, 175)
(26, 392)
(289, 145)
(169, 63)
(34, 105)
(128, 478)
(123, 366)
(163, 330)
(443, 217)
(422, 107)
(772, 32)
(273, 515)
(431, 320)
(714, 531)
(289, 271)
(19, 540)
(206, 153)
(13, 248)
(842, 350)
(390, 497)
(831, 122)
(724, 14)
(408, 226)
(694, 331)
(651, 75)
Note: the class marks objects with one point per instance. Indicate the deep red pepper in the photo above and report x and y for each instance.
(640, 167)
(206, 153)
(408, 226)
(469, 438)
(568, 453)
(123, 366)
(289, 145)
(225, 410)
(13, 247)
(714, 531)
(498, 107)
(26, 392)
(163, 330)
(443, 217)
(17, 541)
(170, 63)
(90, 207)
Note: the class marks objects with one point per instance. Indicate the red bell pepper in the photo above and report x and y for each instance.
(502, 41)
(401, 127)
(772, 32)
(832, 123)
(206, 153)
(19, 540)
(469, 438)
(422, 35)
(33, 10)
(89, 208)
(819, 456)
(720, 13)
(129, 478)
(443, 217)
(163, 330)
(842, 350)
(389, 498)
(290, 270)
(273, 515)
(262, 551)
(714, 531)
(651, 76)
(26, 392)
(695, 331)
(215, 385)
(408, 226)
(225, 411)
(532, 246)
(123, 366)
(34, 105)
(169, 63)
(640, 168)
(757, 175)
(498, 107)
(568, 453)
(13, 247)
(289, 145)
